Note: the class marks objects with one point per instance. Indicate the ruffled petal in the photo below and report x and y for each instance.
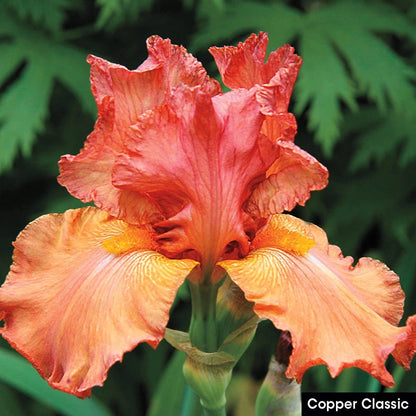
(180, 66)
(244, 66)
(87, 176)
(338, 314)
(280, 127)
(122, 96)
(289, 181)
(214, 154)
(85, 288)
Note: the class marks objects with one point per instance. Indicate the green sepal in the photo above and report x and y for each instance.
(209, 373)
(278, 395)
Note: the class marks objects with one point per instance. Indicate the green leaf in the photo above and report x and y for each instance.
(11, 57)
(10, 403)
(169, 401)
(237, 18)
(23, 109)
(379, 135)
(47, 13)
(378, 71)
(323, 84)
(19, 373)
(114, 13)
(24, 106)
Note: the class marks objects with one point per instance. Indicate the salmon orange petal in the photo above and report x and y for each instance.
(338, 314)
(244, 66)
(179, 66)
(85, 288)
(289, 181)
(122, 96)
(87, 176)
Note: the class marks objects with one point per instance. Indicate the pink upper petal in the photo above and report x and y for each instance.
(87, 175)
(122, 96)
(180, 67)
(338, 314)
(244, 66)
(73, 307)
(290, 179)
(198, 157)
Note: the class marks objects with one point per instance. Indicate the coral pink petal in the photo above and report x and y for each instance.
(281, 126)
(73, 307)
(214, 153)
(244, 66)
(290, 179)
(87, 176)
(338, 314)
(180, 67)
(122, 96)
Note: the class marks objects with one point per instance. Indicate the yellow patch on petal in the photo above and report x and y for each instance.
(133, 238)
(285, 233)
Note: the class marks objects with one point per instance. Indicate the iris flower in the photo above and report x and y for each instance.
(190, 182)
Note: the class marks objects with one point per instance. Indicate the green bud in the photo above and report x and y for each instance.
(209, 373)
(278, 395)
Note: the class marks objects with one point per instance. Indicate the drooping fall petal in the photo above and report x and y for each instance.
(85, 288)
(213, 154)
(289, 181)
(122, 96)
(338, 314)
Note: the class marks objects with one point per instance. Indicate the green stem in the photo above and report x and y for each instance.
(203, 332)
(203, 327)
(216, 412)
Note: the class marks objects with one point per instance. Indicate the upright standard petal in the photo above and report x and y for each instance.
(85, 288)
(294, 174)
(122, 96)
(244, 66)
(338, 314)
(289, 181)
(213, 156)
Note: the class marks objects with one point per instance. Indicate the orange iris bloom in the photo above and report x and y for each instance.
(188, 178)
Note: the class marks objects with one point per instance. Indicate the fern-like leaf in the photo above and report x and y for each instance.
(46, 13)
(113, 13)
(235, 19)
(24, 103)
(381, 135)
(23, 109)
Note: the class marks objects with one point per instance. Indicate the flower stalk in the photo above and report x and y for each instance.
(203, 334)
(209, 373)
(203, 326)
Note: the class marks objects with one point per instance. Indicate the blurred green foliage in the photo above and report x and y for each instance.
(356, 108)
